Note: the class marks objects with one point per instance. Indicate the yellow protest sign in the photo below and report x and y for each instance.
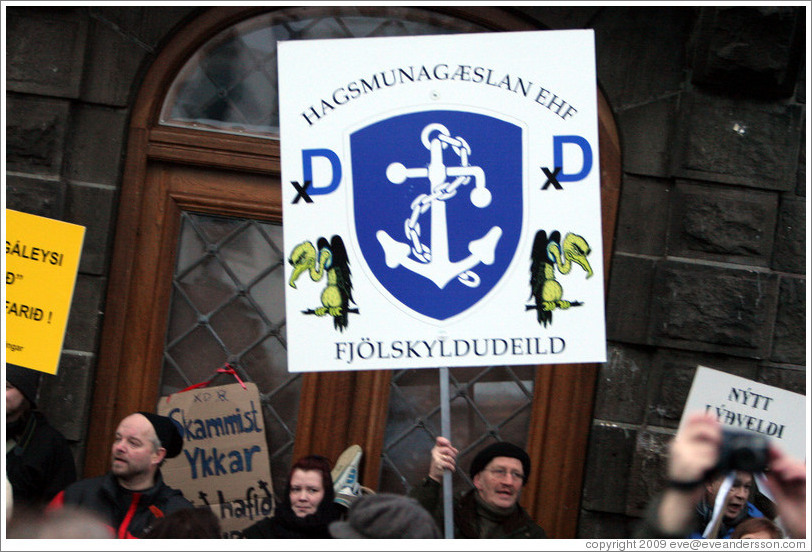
(42, 259)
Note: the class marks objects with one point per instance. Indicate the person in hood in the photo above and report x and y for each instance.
(39, 462)
(307, 507)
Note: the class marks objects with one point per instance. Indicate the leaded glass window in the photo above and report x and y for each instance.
(487, 405)
(228, 307)
(230, 84)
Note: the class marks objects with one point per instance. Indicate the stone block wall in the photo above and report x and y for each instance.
(709, 264)
(71, 77)
(709, 261)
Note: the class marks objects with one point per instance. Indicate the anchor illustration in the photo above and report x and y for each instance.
(433, 263)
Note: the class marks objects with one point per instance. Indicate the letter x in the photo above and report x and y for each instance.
(551, 178)
(301, 192)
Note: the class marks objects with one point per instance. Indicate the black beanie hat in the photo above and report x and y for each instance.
(25, 380)
(502, 448)
(168, 433)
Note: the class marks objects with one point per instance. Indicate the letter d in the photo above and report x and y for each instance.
(307, 170)
(558, 157)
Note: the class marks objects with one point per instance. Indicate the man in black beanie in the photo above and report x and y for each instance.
(39, 462)
(132, 495)
(491, 509)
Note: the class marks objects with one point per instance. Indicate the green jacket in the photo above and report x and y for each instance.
(518, 525)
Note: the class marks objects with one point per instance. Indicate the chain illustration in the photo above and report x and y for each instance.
(444, 192)
(433, 261)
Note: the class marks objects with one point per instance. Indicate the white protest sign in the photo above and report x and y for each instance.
(225, 462)
(441, 201)
(746, 405)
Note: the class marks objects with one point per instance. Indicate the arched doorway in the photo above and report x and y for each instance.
(195, 280)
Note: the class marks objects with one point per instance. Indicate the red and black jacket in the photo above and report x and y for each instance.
(129, 513)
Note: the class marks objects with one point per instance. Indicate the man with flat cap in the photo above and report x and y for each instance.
(491, 509)
(132, 495)
(39, 462)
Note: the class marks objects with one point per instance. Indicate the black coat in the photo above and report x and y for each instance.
(285, 525)
(517, 525)
(40, 464)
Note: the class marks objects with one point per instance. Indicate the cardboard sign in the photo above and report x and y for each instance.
(441, 201)
(42, 260)
(747, 405)
(225, 462)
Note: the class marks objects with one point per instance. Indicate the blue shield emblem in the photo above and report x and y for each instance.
(438, 203)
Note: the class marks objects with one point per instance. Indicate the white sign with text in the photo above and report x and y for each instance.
(441, 201)
(746, 405)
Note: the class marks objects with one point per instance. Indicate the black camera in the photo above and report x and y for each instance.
(742, 451)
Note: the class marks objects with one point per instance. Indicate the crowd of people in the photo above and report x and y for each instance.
(45, 499)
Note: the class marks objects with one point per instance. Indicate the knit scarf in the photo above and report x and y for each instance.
(490, 516)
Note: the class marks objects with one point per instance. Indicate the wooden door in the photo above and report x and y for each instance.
(172, 171)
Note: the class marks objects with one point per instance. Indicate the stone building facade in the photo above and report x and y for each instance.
(709, 264)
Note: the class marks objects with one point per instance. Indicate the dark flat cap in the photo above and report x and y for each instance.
(386, 516)
(502, 448)
(168, 432)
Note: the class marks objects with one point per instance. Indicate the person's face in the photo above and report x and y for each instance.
(758, 535)
(500, 483)
(738, 495)
(134, 453)
(16, 403)
(306, 492)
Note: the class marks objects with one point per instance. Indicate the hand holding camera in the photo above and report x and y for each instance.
(742, 451)
(694, 452)
(703, 449)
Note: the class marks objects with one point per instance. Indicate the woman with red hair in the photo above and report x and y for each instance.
(757, 528)
(307, 507)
